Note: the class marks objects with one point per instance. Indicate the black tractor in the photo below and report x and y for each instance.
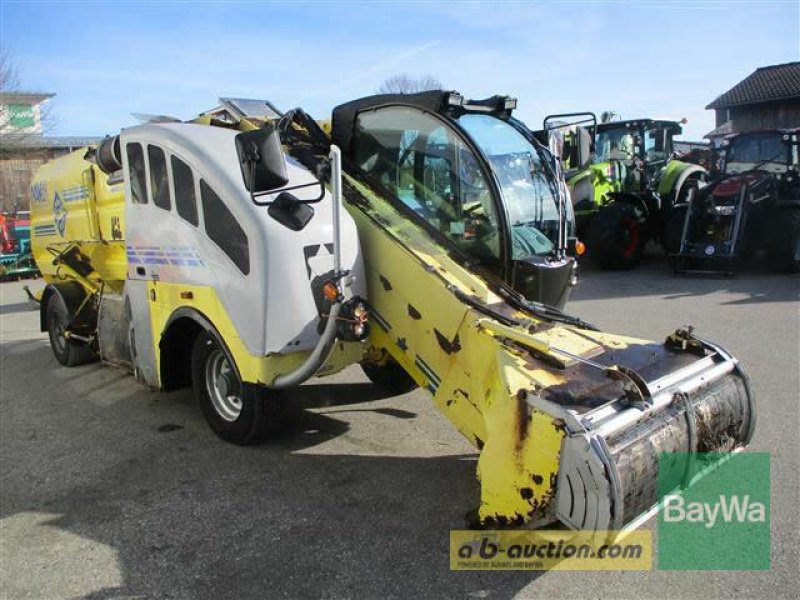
(754, 205)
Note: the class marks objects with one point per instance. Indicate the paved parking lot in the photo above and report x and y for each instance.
(108, 490)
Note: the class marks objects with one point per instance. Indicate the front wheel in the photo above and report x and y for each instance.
(238, 413)
(783, 246)
(389, 376)
(616, 239)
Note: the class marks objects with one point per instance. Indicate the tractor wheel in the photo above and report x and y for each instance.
(616, 239)
(673, 232)
(783, 246)
(390, 377)
(69, 354)
(237, 413)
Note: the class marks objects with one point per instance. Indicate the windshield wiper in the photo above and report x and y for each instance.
(535, 309)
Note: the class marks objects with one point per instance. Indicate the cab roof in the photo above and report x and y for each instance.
(439, 101)
(789, 131)
(637, 123)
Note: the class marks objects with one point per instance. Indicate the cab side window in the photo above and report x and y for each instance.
(159, 182)
(223, 228)
(136, 173)
(433, 172)
(185, 199)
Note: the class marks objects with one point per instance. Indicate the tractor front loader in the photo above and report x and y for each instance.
(234, 271)
(754, 205)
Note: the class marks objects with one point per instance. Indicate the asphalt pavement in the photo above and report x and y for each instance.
(108, 490)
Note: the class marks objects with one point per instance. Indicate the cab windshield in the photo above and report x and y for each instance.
(527, 187)
(615, 144)
(427, 165)
(767, 151)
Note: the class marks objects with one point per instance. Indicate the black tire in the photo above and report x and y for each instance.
(260, 413)
(615, 237)
(783, 240)
(673, 232)
(389, 377)
(57, 317)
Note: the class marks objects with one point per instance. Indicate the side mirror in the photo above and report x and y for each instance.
(261, 159)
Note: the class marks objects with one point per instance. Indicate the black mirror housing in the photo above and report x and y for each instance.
(261, 159)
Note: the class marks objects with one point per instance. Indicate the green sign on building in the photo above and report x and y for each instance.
(21, 116)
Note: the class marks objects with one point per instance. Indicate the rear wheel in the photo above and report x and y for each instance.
(57, 317)
(237, 413)
(616, 240)
(783, 245)
(389, 376)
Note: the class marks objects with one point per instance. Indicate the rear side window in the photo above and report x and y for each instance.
(159, 183)
(136, 173)
(224, 229)
(185, 200)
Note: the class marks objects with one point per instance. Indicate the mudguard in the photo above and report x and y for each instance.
(674, 176)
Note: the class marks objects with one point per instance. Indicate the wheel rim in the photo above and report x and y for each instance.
(631, 235)
(57, 329)
(222, 386)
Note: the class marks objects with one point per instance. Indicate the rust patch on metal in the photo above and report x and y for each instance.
(526, 493)
(521, 419)
(387, 285)
(537, 479)
(414, 313)
(446, 345)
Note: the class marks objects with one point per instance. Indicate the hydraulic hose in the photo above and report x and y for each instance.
(322, 350)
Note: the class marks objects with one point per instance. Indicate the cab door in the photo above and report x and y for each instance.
(142, 233)
(435, 177)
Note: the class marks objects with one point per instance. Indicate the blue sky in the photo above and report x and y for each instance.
(661, 59)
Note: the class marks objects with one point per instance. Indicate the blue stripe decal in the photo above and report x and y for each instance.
(433, 379)
(179, 256)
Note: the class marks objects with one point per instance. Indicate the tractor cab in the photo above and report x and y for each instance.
(640, 149)
(471, 175)
(769, 151)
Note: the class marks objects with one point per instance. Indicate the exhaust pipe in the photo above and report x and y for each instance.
(108, 155)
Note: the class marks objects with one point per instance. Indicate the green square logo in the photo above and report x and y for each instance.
(21, 115)
(721, 520)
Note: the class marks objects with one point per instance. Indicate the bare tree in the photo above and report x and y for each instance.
(403, 84)
(21, 147)
(608, 115)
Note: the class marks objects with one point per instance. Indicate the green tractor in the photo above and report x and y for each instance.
(623, 179)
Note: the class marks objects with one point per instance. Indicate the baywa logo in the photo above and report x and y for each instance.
(715, 511)
(728, 508)
(59, 214)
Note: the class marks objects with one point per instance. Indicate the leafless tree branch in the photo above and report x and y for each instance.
(403, 84)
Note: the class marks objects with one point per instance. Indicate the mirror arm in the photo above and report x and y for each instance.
(323, 173)
(321, 185)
